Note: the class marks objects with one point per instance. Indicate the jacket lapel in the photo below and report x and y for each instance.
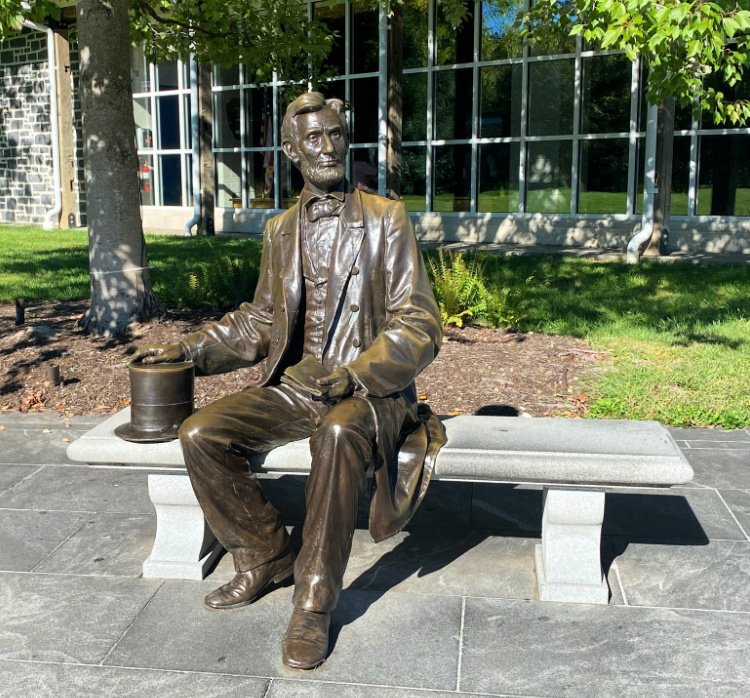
(290, 262)
(349, 236)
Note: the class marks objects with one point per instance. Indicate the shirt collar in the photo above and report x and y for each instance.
(307, 197)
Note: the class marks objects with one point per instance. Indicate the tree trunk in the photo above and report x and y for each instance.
(120, 281)
(395, 101)
(206, 129)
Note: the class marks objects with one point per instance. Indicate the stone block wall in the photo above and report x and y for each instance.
(26, 178)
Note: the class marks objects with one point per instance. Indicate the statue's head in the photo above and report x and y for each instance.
(315, 137)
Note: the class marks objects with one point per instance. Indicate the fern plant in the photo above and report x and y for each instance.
(460, 288)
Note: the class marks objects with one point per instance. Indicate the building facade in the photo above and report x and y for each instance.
(500, 142)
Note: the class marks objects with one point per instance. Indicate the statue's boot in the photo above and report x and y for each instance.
(305, 644)
(247, 586)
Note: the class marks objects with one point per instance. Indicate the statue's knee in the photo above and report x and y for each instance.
(196, 429)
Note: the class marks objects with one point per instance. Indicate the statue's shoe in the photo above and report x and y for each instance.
(305, 644)
(245, 587)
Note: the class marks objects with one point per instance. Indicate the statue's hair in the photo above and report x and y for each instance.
(310, 102)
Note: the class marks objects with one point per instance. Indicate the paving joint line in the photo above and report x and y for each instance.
(619, 583)
(57, 547)
(731, 513)
(460, 644)
(23, 479)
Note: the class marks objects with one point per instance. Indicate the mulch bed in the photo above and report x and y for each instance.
(478, 371)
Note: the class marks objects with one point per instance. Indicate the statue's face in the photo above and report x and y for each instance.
(320, 149)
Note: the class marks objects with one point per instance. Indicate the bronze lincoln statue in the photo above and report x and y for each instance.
(345, 317)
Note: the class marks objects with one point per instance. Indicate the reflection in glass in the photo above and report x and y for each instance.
(332, 14)
(168, 110)
(740, 90)
(680, 175)
(500, 39)
(166, 76)
(260, 179)
(365, 110)
(139, 70)
(548, 177)
(451, 176)
(143, 122)
(364, 39)
(414, 177)
(291, 183)
(551, 98)
(724, 176)
(146, 178)
(498, 177)
(258, 117)
(606, 94)
(414, 119)
(452, 103)
(227, 119)
(603, 171)
(229, 180)
(500, 115)
(454, 44)
(227, 76)
(170, 180)
(415, 36)
(364, 163)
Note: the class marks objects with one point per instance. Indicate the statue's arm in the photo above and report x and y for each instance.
(412, 334)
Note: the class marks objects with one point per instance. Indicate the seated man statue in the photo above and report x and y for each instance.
(345, 317)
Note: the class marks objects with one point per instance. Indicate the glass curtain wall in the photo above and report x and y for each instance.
(161, 107)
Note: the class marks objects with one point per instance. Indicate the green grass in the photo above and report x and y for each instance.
(39, 264)
(678, 334)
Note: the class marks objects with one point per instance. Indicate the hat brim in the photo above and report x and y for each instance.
(138, 435)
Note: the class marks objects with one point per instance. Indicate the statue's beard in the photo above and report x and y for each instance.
(323, 178)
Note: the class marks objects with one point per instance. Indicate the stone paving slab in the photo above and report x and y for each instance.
(285, 688)
(56, 618)
(393, 640)
(14, 473)
(106, 545)
(82, 488)
(738, 502)
(548, 649)
(714, 576)
(507, 509)
(28, 537)
(30, 444)
(723, 470)
(38, 680)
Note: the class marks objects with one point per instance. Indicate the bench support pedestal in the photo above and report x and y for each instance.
(184, 547)
(568, 561)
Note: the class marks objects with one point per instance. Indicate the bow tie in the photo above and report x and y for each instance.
(323, 208)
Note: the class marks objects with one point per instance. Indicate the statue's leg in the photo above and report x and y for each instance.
(216, 441)
(342, 450)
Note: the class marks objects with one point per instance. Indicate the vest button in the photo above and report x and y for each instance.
(356, 343)
(354, 307)
(355, 271)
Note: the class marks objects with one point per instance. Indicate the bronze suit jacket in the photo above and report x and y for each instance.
(382, 322)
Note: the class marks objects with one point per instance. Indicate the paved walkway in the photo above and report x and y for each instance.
(445, 608)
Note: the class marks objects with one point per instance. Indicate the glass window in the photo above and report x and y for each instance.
(168, 110)
(170, 180)
(551, 98)
(724, 176)
(332, 14)
(364, 39)
(680, 175)
(258, 117)
(229, 180)
(501, 101)
(500, 39)
(452, 104)
(454, 44)
(291, 183)
(740, 90)
(414, 177)
(606, 94)
(498, 177)
(451, 175)
(227, 76)
(143, 122)
(364, 162)
(365, 109)
(260, 179)
(548, 177)
(414, 42)
(556, 39)
(167, 76)
(227, 118)
(146, 177)
(139, 70)
(414, 111)
(603, 170)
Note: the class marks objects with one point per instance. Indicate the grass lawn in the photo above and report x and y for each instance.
(678, 334)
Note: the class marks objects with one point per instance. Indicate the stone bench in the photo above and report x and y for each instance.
(573, 460)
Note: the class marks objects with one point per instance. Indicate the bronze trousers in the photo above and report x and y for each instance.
(216, 442)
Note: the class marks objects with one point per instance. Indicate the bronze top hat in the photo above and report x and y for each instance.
(161, 399)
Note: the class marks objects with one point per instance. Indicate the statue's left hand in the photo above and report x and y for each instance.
(159, 353)
(336, 386)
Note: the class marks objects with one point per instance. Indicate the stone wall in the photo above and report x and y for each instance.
(26, 178)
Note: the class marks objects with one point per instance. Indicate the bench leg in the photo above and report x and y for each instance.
(184, 547)
(568, 561)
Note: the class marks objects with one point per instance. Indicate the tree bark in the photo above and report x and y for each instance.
(208, 184)
(120, 282)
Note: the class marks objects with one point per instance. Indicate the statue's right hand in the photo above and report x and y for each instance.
(160, 353)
